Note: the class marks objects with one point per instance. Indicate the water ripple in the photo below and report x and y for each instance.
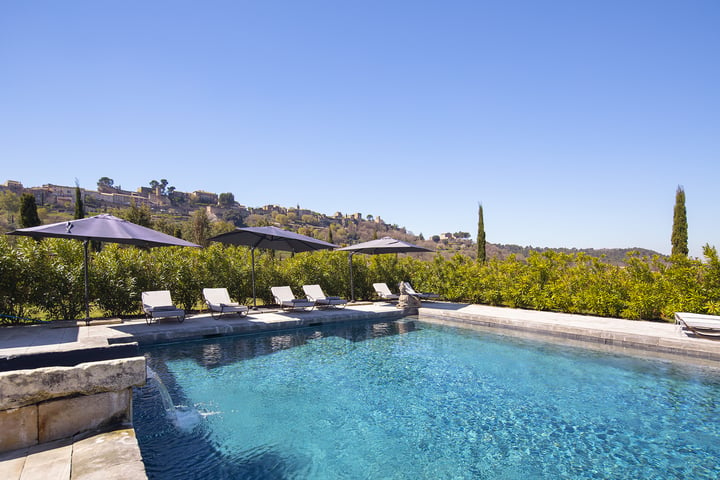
(430, 402)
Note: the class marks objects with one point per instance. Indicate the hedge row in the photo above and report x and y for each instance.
(46, 278)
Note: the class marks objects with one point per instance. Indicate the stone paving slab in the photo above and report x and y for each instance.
(48, 461)
(11, 465)
(103, 456)
(109, 456)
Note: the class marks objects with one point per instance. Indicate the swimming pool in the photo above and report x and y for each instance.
(410, 400)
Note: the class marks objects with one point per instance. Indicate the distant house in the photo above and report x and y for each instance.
(202, 196)
(93, 195)
(270, 209)
(125, 199)
(43, 195)
(60, 190)
(12, 186)
(147, 191)
(159, 200)
(102, 188)
(179, 196)
(55, 195)
(212, 212)
(154, 196)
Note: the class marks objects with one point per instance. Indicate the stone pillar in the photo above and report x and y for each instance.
(409, 303)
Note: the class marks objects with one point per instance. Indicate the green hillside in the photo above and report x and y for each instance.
(339, 229)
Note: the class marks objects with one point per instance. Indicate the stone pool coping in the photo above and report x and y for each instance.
(643, 338)
(16, 342)
(637, 336)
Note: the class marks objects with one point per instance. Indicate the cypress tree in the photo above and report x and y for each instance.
(481, 236)
(679, 236)
(28, 211)
(79, 207)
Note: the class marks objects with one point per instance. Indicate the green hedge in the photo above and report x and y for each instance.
(45, 279)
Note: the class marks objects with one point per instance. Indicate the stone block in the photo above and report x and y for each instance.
(18, 428)
(130, 471)
(57, 353)
(50, 460)
(69, 416)
(108, 456)
(11, 467)
(26, 387)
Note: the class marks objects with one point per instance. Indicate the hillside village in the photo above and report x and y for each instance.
(165, 203)
(159, 198)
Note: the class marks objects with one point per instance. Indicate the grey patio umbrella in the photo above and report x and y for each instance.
(270, 238)
(103, 228)
(376, 247)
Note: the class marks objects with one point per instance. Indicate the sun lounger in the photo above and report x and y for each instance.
(315, 294)
(219, 303)
(287, 301)
(158, 304)
(382, 291)
(421, 295)
(700, 324)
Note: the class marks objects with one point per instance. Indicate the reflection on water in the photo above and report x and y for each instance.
(224, 350)
(175, 440)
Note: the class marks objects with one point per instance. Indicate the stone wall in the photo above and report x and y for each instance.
(45, 404)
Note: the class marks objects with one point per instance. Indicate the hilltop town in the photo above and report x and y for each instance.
(165, 202)
(159, 198)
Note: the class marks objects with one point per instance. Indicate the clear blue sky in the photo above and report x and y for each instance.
(573, 122)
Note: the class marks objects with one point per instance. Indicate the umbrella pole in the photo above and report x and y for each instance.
(87, 294)
(352, 286)
(252, 257)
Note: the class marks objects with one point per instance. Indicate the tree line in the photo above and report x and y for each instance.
(44, 279)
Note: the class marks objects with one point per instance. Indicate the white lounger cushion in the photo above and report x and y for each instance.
(384, 292)
(316, 294)
(286, 299)
(411, 291)
(699, 321)
(159, 304)
(218, 300)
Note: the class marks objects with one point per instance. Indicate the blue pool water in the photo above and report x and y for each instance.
(409, 400)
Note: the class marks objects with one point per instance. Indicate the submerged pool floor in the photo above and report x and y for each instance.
(410, 400)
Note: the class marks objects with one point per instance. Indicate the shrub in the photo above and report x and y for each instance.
(55, 276)
(14, 284)
(48, 275)
(118, 276)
